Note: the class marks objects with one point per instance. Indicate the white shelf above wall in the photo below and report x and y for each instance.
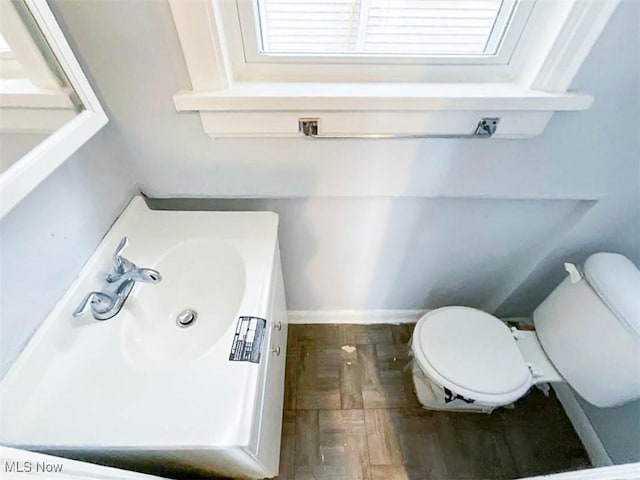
(302, 96)
(251, 109)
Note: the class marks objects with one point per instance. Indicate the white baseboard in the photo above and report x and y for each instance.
(366, 317)
(627, 471)
(355, 316)
(588, 436)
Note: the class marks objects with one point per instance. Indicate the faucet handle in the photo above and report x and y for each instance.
(96, 301)
(121, 264)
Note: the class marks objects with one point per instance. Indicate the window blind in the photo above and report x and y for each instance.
(383, 27)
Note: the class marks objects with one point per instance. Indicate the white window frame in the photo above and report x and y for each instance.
(9, 65)
(247, 61)
(236, 98)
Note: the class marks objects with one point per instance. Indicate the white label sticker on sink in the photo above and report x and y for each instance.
(247, 341)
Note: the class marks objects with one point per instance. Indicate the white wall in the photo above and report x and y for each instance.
(367, 224)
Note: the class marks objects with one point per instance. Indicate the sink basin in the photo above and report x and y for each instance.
(205, 276)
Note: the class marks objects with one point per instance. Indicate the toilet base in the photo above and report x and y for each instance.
(434, 397)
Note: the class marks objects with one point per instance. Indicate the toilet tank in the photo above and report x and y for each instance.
(589, 326)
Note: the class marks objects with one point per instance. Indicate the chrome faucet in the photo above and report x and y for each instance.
(116, 287)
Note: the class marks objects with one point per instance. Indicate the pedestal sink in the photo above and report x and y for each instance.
(142, 391)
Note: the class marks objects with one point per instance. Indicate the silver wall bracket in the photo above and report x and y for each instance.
(486, 127)
(308, 128)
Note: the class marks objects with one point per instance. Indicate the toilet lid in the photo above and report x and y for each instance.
(472, 353)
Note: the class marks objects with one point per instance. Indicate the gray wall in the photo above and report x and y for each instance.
(618, 429)
(390, 224)
(345, 215)
(50, 234)
(15, 145)
(46, 239)
(406, 252)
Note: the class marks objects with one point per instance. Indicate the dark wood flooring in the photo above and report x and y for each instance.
(353, 414)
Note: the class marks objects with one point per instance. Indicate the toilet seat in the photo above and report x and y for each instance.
(472, 353)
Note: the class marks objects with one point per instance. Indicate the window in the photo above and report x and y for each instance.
(20, 55)
(68, 114)
(34, 98)
(9, 65)
(383, 29)
(272, 62)
(356, 40)
(4, 47)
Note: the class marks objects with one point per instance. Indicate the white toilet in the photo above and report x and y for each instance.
(587, 333)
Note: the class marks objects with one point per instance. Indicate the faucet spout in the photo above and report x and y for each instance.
(146, 275)
(116, 283)
(117, 286)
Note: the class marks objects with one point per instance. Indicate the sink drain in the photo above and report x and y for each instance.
(186, 318)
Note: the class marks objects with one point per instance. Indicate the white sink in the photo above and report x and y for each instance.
(205, 276)
(139, 390)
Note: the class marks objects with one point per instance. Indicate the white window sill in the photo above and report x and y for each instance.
(26, 108)
(251, 96)
(546, 60)
(264, 109)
